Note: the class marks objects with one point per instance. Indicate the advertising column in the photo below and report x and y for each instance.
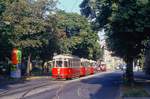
(16, 63)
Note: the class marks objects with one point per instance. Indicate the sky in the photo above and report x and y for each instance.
(70, 5)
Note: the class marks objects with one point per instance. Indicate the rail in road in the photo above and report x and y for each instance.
(31, 89)
(26, 88)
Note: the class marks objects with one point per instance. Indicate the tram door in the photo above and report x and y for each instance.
(49, 67)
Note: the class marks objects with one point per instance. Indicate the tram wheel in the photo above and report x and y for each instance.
(68, 78)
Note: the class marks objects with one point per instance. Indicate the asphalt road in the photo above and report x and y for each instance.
(17, 90)
(100, 86)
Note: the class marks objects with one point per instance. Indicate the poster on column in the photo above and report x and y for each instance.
(16, 63)
(15, 72)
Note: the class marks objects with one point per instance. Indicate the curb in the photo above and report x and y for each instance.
(37, 77)
(119, 96)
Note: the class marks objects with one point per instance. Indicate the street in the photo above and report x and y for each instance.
(74, 49)
(98, 86)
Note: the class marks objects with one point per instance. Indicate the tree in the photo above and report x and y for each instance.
(127, 26)
(5, 30)
(76, 36)
(127, 40)
(29, 25)
(97, 11)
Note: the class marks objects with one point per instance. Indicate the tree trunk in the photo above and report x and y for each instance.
(43, 67)
(147, 61)
(28, 65)
(129, 71)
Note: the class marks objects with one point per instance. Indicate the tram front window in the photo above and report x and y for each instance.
(58, 63)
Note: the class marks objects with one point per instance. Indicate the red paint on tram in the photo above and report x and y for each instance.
(67, 67)
(82, 71)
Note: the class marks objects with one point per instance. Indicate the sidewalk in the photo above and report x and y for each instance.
(145, 80)
(147, 88)
(9, 80)
(13, 80)
(142, 80)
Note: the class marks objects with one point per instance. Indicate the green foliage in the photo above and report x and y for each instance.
(99, 10)
(76, 36)
(129, 27)
(33, 26)
(121, 20)
(126, 23)
(24, 24)
(125, 34)
(5, 30)
(135, 92)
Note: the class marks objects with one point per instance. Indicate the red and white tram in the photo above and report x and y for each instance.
(91, 66)
(66, 67)
(84, 67)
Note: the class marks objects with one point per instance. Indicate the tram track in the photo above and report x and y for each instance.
(8, 91)
(59, 88)
(32, 90)
(20, 87)
(25, 94)
(27, 89)
(11, 87)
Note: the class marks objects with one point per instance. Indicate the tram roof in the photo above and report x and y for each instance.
(65, 56)
(103, 62)
(84, 59)
(92, 61)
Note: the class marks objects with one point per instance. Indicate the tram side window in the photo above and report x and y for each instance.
(58, 63)
(78, 63)
(75, 64)
(65, 64)
(70, 63)
(53, 63)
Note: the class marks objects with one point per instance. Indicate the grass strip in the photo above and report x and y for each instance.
(134, 91)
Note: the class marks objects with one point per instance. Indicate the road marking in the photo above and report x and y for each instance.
(49, 87)
(58, 92)
(40, 89)
(23, 88)
(3, 92)
(78, 91)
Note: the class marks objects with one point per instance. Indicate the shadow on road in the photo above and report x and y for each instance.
(109, 85)
(6, 83)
